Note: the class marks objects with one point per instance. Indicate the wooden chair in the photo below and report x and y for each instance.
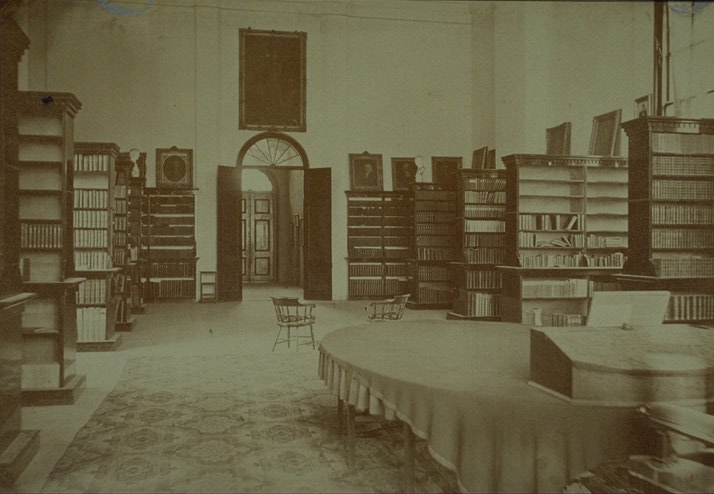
(291, 314)
(387, 310)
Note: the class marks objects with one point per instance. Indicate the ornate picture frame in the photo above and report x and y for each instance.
(557, 140)
(272, 80)
(365, 171)
(174, 168)
(604, 136)
(444, 168)
(404, 172)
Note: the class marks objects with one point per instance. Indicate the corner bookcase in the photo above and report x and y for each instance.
(49, 321)
(95, 203)
(566, 235)
(137, 263)
(379, 235)
(480, 228)
(671, 201)
(433, 246)
(169, 243)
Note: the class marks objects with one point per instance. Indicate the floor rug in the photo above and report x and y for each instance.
(230, 424)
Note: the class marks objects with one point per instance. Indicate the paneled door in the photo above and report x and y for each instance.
(318, 234)
(258, 220)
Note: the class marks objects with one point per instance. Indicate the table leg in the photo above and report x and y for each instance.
(409, 458)
(350, 436)
(340, 415)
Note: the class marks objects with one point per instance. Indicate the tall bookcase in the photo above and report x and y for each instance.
(378, 243)
(94, 247)
(121, 248)
(566, 235)
(45, 157)
(480, 227)
(671, 204)
(169, 243)
(137, 263)
(433, 240)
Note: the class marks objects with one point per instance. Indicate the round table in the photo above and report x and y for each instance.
(463, 387)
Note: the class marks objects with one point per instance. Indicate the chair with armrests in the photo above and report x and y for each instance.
(291, 314)
(387, 310)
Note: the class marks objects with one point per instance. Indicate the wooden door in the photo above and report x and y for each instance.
(258, 246)
(229, 284)
(318, 234)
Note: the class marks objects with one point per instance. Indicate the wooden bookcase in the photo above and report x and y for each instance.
(122, 252)
(565, 235)
(137, 263)
(94, 244)
(45, 156)
(430, 283)
(169, 243)
(480, 226)
(671, 206)
(378, 243)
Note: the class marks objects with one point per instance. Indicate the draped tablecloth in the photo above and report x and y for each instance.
(463, 387)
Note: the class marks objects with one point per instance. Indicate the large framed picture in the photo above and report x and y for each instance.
(403, 173)
(606, 128)
(478, 161)
(365, 171)
(174, 168)
(272, 80)
(444, 168)
(557, 140)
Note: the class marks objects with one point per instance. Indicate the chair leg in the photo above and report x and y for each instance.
(312, 337)
(288, 336)
(340, 415)
(277, 337)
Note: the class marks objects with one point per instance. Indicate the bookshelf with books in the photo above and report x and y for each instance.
(49, 322)
(566, 224)
(433, 247)
(169, 243)
(137, 263)
(480, 227)
(671, 205)
(121, 248)
(94, 247)
(379, 243)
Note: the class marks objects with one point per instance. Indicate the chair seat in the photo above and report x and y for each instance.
(296, 319)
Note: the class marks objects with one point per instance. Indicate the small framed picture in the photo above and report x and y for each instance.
(557, 140)
(643, 106)
(478, 162)
(606, 129)
(444, 168)
(403, 173)
(365, 171)
(174, 168)
(491, 160)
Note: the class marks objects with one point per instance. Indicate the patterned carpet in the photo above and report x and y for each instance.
(230, 424)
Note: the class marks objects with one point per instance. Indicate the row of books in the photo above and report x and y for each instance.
(91, 162)
(673, 238)
(476, 239)
(562, 320)
(120, 191)
(367, 269)
(683, 165)
(484, 197)
(434, 206)
(367, 253)
(164, 252)
(376, 288)
(435, 253)
(556, 260)
(434, 241)
(682, 266)
(41, 236)
(474, 226)
(690, 307)
(682, 189)
(91, 239)
(486, 279)
(606, 241)
(573, 288)
(488, 184)
(172, 269)
(91, 198)
(91, 324)
(548, 222)
(119, 238)
(92, 292)
(682, 143)
(171, 289)
(434, 229)
(92, 260)
(691, 214)
(433, 273)
(119, 256)
(484, 255)
(433, 217)
(477, 304)
(120, 223)
(430, 295)
(614, 260)
(434, 195)
(120, 207)
(90, 219)
(526, 239)
(483, 211)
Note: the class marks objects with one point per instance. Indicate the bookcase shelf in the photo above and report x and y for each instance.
(430, 278)
(671, 207)
(379, 230)
(169, 243)
(479, 226)
(566, 222)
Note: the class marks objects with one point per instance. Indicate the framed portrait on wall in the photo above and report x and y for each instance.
(444, 168)
(403, 173)
(272, 80)
(174, 168)
(606, 129)
(365, 171)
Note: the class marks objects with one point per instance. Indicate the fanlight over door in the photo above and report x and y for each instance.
(272, 149)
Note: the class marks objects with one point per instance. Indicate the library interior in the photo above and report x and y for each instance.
(356, 246)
